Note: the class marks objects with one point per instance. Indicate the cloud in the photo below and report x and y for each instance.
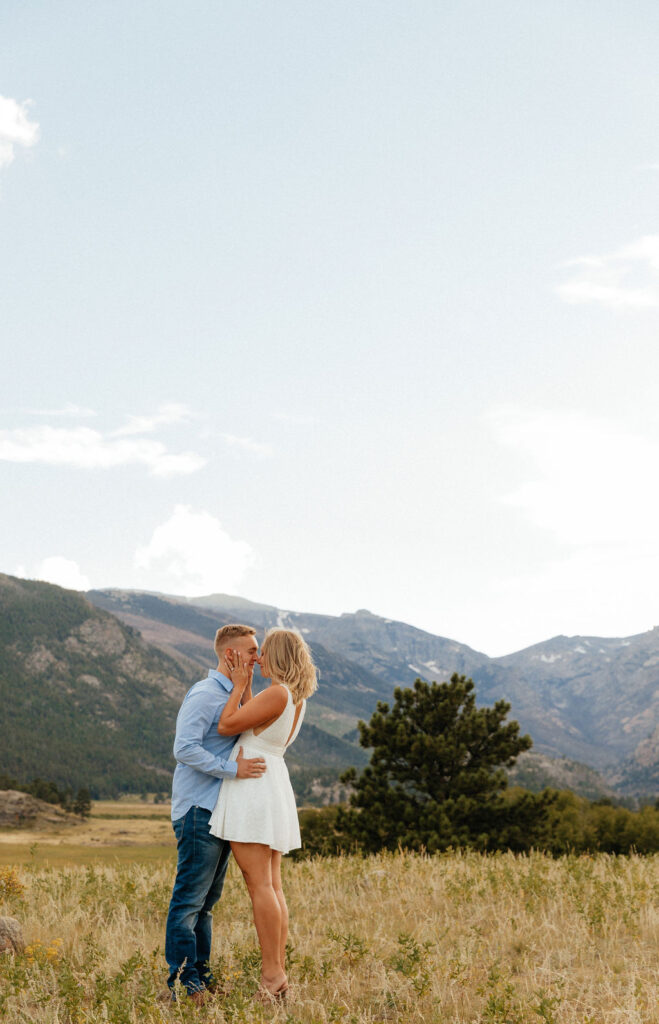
(75, 411)
(192, 554)
(594, 479)
(15, 129)
(166, 414)
(592, 591)
(85, 448)
(625, 279)
(593, 491)
(297, 419)
(591, 497)
(246, 444)
(56, 569)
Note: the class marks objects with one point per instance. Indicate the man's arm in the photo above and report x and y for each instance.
(194, 721)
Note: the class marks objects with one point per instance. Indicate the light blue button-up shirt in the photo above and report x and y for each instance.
(199, 749)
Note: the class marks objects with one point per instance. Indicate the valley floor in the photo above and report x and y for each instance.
(456, 939)
(116, 831)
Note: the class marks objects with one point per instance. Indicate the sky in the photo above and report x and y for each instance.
(336, 306)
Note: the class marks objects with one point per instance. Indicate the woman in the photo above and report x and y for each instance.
(259, 816)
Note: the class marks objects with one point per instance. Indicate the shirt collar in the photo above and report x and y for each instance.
(223, 680)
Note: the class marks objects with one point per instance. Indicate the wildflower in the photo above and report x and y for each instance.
(11, 887)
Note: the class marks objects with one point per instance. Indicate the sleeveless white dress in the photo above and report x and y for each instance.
(262, 810)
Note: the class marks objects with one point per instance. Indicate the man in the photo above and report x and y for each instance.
(202, 755)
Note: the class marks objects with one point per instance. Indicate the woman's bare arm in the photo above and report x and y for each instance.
(263, 708)
(242, 711)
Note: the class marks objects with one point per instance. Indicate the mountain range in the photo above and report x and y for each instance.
(88, 680)
(591, 700)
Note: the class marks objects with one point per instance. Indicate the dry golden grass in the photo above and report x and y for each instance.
(130, 809)
(458, 938)
(118, 830)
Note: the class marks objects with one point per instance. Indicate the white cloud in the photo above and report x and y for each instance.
(297, 419)
(85, 448)
(594, 489)
(192, 554)
(246, 444)
(625, 279)
(70, 409)
(594, 478)
(607, 591)
(15, 129)
(56, 569)
(166, 414)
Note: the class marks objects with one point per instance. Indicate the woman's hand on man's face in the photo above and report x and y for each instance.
(238, 670)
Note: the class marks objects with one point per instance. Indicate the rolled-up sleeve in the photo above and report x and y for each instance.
(194, 721)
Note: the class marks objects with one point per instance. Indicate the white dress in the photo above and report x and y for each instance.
(262, 810)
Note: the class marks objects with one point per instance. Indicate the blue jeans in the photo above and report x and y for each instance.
(202, 865)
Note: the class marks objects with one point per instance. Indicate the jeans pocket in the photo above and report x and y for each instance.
(178, 825)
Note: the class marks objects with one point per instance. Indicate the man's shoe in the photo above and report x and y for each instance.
(198, 997)
(215, 988)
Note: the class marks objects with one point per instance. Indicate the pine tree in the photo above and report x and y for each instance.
(82, 804)
(436, 775)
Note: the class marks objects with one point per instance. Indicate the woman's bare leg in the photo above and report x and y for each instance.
(279, 892)
(255, 862)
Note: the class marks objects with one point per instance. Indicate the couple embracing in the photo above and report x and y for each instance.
(231, 793)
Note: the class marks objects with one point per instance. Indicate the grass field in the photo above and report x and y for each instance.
(456, 939)
(120, 831)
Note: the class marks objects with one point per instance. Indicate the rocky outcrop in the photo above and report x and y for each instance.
(647, 752)
(20, 810)
(11, 936)
(99, 637)
(537, 771)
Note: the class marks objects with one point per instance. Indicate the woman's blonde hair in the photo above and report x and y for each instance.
(289, 661)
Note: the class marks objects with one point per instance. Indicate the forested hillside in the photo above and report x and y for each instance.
(86, 701)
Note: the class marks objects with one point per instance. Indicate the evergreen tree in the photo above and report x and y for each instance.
(66, 798)
(436, 775)
(82, 804)
(44, 790)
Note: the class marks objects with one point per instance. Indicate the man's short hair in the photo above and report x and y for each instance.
(228, 633)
